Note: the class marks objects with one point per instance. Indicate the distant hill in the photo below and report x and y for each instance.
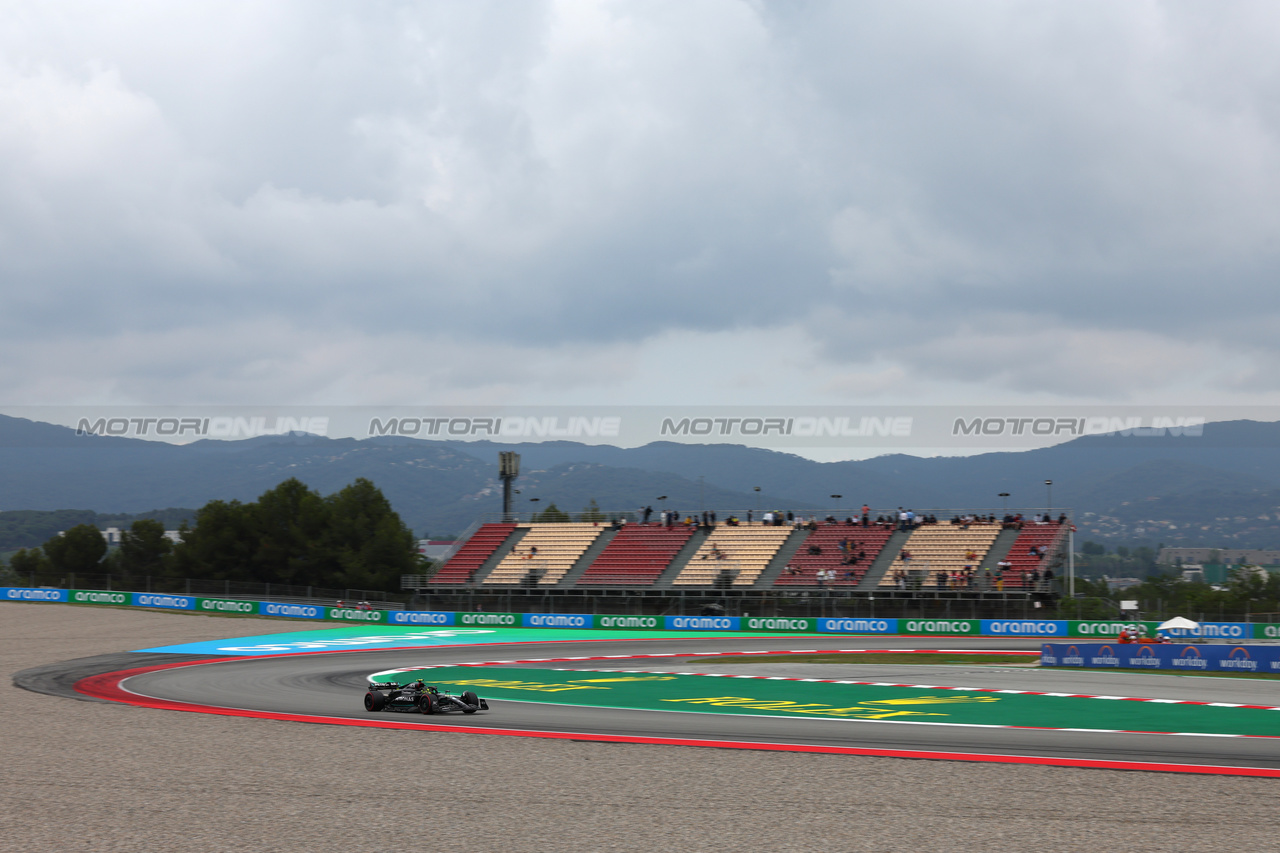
(25, 528)
(1124, 490)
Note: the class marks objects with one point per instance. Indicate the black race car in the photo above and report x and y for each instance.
(420, 697)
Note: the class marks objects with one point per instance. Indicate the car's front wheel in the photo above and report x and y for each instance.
(471, 699)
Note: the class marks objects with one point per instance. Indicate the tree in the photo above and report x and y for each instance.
(591, 512)
(143, 548)
(552, 513)
(78, 550)
(365, 542)
(220, 546)
(29, 562)
(352, 539)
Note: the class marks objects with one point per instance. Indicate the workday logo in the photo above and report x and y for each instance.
(1190, 658)
(1146, 656)
(1106, 656)
(1239, 659)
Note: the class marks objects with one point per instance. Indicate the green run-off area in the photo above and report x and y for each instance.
(800, 699)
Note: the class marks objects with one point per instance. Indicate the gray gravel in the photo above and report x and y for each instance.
(93, 777)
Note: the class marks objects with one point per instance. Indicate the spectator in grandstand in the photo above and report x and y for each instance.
(866, 515)
(646, 512)
(791, 570)
(791, 517)
(815, 550)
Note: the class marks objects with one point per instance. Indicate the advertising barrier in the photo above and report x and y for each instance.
(556, 620)
(780, 624)
(947, 627)
(858, 626)
(99, 596)
(1098, 630)
(163, 600)
(29, 593)
(702, 623)
(227, 605)
(354, 614)
(501, 620)
(1024, 627)
(293, 611)
(419, 617)
(629, 623)
(1184, 657)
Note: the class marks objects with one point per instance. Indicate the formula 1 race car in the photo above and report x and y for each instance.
(420, 697)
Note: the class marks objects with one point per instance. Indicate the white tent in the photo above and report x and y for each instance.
(1180, 622)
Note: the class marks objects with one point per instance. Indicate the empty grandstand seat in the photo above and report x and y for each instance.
(558, 546)
(637, 556)
(463, 564)
(746, 551)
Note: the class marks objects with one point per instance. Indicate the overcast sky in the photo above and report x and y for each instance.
(639, 203)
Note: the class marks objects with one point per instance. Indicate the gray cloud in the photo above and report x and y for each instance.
(1026, 198)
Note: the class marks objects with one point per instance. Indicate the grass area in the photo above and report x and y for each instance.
(935, 658)
(964, 659)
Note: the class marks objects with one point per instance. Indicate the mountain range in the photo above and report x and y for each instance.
(1220, 489)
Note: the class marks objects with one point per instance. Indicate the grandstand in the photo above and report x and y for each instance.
(546, 553)
(847, 550)
(586, 558)
(1048, 536)
(637, 556)
(741, 550)
(942, 548)
(460, 568)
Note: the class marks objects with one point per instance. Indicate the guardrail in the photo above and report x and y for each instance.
(1017, 628)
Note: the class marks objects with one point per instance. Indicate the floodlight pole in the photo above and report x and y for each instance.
(508, 470)
(1071, 562)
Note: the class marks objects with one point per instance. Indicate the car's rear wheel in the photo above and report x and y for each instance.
(471, 699)
(374, 701)
(426, 704)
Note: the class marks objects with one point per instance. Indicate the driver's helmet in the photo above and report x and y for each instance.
(418, 685)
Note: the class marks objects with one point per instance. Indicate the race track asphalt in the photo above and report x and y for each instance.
(331, 686)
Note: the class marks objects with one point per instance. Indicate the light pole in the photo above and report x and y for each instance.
(534, 516)
(1005, 497)
(1048, 484)
(836, 497)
